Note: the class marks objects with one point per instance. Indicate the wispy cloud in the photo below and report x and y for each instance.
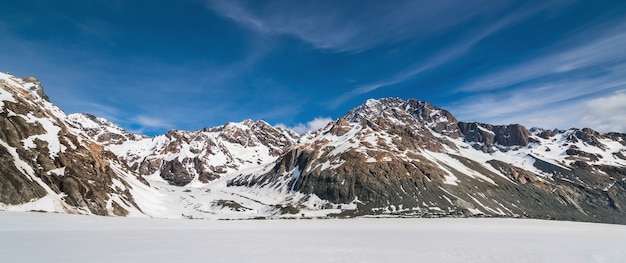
(351, 25)
(556, 104)
(151, 122)
(603, 52)
(559, 90)
(450, 53)
(315, 124)
(309, 49)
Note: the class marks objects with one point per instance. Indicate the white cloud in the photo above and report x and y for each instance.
(319, 123)
(606, 113)
(315, 124)
(545, 108)
(151, 122)
(541, 97)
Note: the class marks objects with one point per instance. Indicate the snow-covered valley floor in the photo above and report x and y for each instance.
(41, 237)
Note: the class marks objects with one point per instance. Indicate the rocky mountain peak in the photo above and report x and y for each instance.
(374, 108)
(101, 129)
(411, 113)
(35, 86)
(340, 127)
(28, 84)
(251, 133)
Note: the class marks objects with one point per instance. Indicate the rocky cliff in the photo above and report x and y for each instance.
(51, 165)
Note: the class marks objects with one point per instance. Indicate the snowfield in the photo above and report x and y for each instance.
(44, 237)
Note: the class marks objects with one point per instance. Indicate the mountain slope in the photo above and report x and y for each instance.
(410, 158)
(182, 157)
(385, 157)
(47, 165)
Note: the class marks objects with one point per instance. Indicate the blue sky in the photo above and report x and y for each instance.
(151, 66)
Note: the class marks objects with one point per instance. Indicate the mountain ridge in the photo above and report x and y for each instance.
(385, 157)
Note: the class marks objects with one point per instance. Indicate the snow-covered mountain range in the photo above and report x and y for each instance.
(385, 157)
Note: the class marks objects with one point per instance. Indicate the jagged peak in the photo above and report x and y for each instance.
(249, 124)
(375, 107)
(372, 108)
(244, 125)
(238, 132)
(383, 101)
(101, 129)
(88, 120)
(405, 112)
(30, 84)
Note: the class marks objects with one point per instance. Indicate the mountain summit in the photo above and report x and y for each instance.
(386, 157)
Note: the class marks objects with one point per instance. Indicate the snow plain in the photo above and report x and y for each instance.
(45, 237)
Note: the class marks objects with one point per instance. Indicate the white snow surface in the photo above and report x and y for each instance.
(40, 237)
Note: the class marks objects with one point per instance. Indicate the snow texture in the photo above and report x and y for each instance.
(38, 237)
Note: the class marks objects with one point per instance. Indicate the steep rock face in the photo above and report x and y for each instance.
(14, 187)
(487, 136)
(44, 159)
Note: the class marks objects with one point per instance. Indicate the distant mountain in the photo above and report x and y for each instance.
(181, 157)
(385, 157)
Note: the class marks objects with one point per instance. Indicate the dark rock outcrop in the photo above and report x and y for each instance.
(486, 136)
(14, 187)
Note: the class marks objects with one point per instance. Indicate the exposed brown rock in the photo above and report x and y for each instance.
(150, 166)
(87, 177)
(576, 152)
(15, 187)
(340, 127)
